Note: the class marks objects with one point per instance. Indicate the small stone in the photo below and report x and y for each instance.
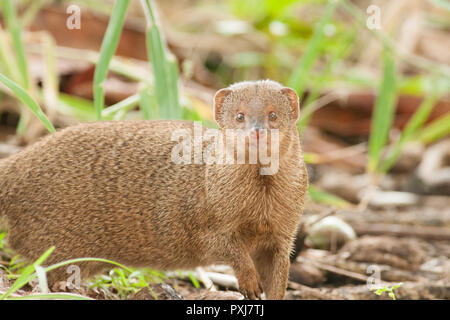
(330, 233)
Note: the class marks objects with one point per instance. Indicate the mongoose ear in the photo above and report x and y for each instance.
(219, 98)
(293, 99)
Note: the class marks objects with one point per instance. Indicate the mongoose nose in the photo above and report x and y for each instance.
(257, 132)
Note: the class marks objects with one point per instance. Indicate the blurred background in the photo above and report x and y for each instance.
(373, 78)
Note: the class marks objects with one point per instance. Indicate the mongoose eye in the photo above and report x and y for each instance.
(240, 117)
(272, 116)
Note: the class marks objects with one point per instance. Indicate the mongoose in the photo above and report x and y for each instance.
(111, 190)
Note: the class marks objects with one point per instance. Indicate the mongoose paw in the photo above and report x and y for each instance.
(251, 289)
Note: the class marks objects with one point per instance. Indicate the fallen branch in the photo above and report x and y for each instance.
(426, 232)
(339, 271)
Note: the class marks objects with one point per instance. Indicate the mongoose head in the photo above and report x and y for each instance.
(257, 107)
(262, 104)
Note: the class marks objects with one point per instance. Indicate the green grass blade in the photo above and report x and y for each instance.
(42, 278)
(383, 113)
(194, 280)
(436, 130)
(327, 198)
(126, 104)
(26, 274)
(417, 120)
(109, 45)
(299, 77)
(51, 296)
(310, 157)
(7, 58)
(157, 58)
(77, 107)
(337, 56)
(165, 70)
(23, 96)
(50, 82)
(31, 12)
(15, 31)
(77, 260)
(148, 106)
(172, 86)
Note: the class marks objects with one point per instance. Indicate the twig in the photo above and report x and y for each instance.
(426, 232)
(368, 194)
(203, 277)
(339, 271)
(342, 272)
(340, 154)
(320, 217)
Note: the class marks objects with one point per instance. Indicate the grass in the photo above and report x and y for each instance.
(383, 113)
(388, 290)
(416, 121)
(16, 35)
(109, 45)
(23, 96)
(20, 60)
(121, 277)
(50, 82)
(119, 283)
(299, 77)
(165, 70)
(327, 198)
(27, 274)
(436, 130)
(149, 106)
(308, 107)
(116, 111)
(7, 57)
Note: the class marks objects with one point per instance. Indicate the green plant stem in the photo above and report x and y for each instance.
(315, 92)
(47, 296)
(165, 70)
(436, 130)
(417, 120)
(31, 12)
(23, 96)
(14, 29)
(148, 107)
(383, 113)
(125, 104)
(109, 45)
(50, 81)
(7, 58)
(299, 77)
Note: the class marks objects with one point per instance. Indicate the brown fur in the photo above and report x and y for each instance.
(110, 190)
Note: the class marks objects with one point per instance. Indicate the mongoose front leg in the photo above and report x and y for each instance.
(273, 269)
(248, 279)
(245, 271)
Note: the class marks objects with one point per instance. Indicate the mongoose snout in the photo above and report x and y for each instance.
(112, 190)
